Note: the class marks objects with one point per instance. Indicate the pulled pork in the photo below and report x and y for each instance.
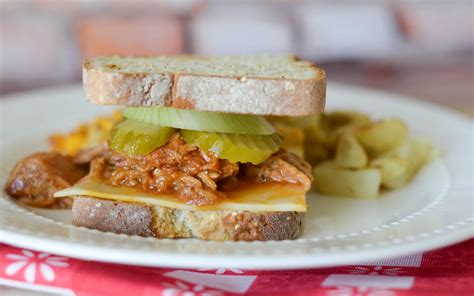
(286, 167)
(176, 166)
(85, 156)
(198, 177)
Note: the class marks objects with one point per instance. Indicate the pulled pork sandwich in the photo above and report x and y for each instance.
(193, 156)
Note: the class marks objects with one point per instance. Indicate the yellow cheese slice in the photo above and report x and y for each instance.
(265, 197)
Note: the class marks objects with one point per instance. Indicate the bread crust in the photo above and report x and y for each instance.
(246, 95)
(127, 218)
(163, 222)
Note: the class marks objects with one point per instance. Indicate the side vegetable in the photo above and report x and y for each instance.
(355, 156)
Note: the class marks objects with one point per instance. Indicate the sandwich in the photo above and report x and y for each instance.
(194, 156)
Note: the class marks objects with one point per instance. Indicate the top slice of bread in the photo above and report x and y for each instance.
(263, 85)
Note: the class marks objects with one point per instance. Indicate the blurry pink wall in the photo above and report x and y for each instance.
(398, 45)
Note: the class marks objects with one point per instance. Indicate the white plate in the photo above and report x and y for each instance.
(435, 210)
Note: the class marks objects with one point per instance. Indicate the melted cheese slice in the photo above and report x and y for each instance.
(263, 197)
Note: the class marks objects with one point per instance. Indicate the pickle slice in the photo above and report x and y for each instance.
(201, 120)
(134, 137)
(235, 148)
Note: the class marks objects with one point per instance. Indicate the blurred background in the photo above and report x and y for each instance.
(419, 48)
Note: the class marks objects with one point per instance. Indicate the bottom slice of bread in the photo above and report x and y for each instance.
(163, 222)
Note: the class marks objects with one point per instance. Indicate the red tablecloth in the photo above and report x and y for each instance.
(448, 271)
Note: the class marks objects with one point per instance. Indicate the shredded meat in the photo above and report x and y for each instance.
(199, 178)
(85, 156)
(191, 190)
(176, 166)
(284, 167)
(37, 177)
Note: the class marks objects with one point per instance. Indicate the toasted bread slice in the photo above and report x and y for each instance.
(163, 222)
(263, 85)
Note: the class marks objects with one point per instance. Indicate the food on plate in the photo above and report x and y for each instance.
(382, 136)
(86, 135)
(400, 165)
(193, 156)
(329, 178)
(355, 156)
(37, 177)
(349, 153)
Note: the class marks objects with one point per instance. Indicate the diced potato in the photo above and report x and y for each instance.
(354, 156)
(421, 152)
(402, 151)
(302, 121)
(328, 127)
(349, 153)
(332, 180)
(382, 136)
(316, 133)
(395, 171)
(417, 151)
(294, 121)
(314, 136)
(315, 153)
(400, 165)
(338, 119)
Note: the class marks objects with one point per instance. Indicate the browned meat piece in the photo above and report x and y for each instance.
(37, 177)
(286, 167)
(298, 163)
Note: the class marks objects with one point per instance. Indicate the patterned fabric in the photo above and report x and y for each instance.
(448, 271)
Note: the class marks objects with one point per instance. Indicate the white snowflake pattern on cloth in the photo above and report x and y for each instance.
(32, 262)
(376, 270)
(180, 288)
(222, 270)
(359, 291)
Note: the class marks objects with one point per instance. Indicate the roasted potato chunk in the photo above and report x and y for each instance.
(333, 180)
(316, 153)
(400, 165)
(349, 153)
(354, 156)
(395, 171)
(382, 136)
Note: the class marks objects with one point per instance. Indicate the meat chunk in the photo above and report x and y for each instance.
(286, 167)
(299, 163)
(37, 177)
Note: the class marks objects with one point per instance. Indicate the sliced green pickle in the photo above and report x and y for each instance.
(201, 120)
(134, 137)
(235, 148)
